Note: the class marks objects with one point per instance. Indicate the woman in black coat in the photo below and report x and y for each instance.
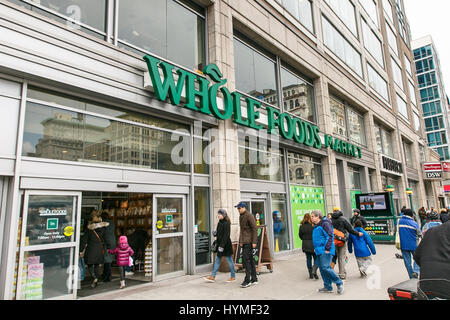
(92, 245)
(305, 233)
(224, 247)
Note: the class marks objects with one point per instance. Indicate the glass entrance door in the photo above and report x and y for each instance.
(48, 257)
(169, 239)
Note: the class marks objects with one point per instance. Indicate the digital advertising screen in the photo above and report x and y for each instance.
(373, 204)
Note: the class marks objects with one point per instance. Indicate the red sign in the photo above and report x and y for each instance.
(446, 166)
(446, 188)
(432, 166)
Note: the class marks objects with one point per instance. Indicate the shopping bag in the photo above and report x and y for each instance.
(130, 261)
(82, 268)
(397, 239)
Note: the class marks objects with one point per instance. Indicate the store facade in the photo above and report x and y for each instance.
(159, 122)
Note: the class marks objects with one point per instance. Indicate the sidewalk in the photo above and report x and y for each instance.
(289, 281)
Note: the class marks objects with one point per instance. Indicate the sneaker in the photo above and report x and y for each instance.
(340, 289)
(324, 290)
(363, 274)
(254, 282)
(210, 279)
(245, 284)
(231, 280)
(129, 273)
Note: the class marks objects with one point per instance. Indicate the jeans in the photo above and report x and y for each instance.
(327, 273)
(309, 259)
(410, 264)
(341, 255)
(229, 259)
(93, 270)
(249, 263)
(122, 273)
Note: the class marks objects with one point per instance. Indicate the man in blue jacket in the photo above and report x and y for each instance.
(409, 232)
(323, 241)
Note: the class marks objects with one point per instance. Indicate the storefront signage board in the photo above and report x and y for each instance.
(229, 106)
(391, 165)
(433, 170)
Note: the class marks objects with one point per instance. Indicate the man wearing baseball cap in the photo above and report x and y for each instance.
(247, 241)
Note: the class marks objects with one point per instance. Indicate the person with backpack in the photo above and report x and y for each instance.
(322, 238)
(342, 228)
(305, 234)
(363, 247)
(357, 216)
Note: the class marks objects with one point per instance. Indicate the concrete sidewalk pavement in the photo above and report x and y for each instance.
(289, 281)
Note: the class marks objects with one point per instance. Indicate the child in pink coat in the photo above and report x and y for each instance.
(123, 252)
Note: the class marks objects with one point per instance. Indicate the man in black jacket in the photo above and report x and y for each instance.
(357, 216)
(342, 224)
(433, 257)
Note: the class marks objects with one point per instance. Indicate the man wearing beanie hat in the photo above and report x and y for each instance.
(409, 232)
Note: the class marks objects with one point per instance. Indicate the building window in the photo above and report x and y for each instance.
(431, 108)
(402, 107)
(388, 9)
(407, 149)
(371, 8)
(434, 123)
(412, 92)
(86, 15)
(437, 138)
(255, 73)
(397, 72)
(422, 52)
(280, 223)
(203, 223)
(377, 82)
(427, 79)
(347, 121)
(424, 65)
(407, 65)
(355, 178)
(337, 43)
(416, 120)
(310, 168)
(297, 90)
(144, 27)
(428, 94)
(384, 141)
(372, 43)
(85, 135)
(345, 10)
(392, 39)
(443, 153)
(300, 10)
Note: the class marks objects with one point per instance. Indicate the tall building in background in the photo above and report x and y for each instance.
(432, 95)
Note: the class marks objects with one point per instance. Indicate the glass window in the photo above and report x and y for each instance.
(402, 107)
(388, 9)
(345, 10)
(298, 94)
(56, 133)
(334, 40)
(407, 147)
(372, 43)
(412, 92)
(434, 123)
(377, 83)
(423, 52)
(443, 153)
(436, 138)
(407, 64)
(431, 93)
(86, 15)
(144, 25)
(202, 157)
(338, 118)
(259, 162)
(356, 127)
(431, 108)
(280, 222)
(397, 72)
(384, 141)
(311, 168)
(202, 226)
(424, 65)
(371, 8)
(355, 179)
(416, 122)
(427, 79)
(392, 39)
(255, 74)
(300, 10)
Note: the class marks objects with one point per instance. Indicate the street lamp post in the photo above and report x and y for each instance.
(391, 189)
(409, 192)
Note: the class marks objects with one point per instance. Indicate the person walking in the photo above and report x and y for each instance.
(305, 234)
(363, 248)
(224, 247)
(432, 221)
(324, 248)
(341, 224)
(123, 253)
(444, 215)
(409, 232)
(422, 216)
(357, 216)
(93, 245)
(247, 241)
(110, 241)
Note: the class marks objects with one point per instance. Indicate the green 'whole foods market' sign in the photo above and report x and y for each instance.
(289, 127)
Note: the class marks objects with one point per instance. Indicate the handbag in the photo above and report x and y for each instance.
(130, 261)
(101, 242)
(397, 238)
(214, 246)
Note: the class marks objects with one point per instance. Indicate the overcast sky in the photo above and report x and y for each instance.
(431, 17)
